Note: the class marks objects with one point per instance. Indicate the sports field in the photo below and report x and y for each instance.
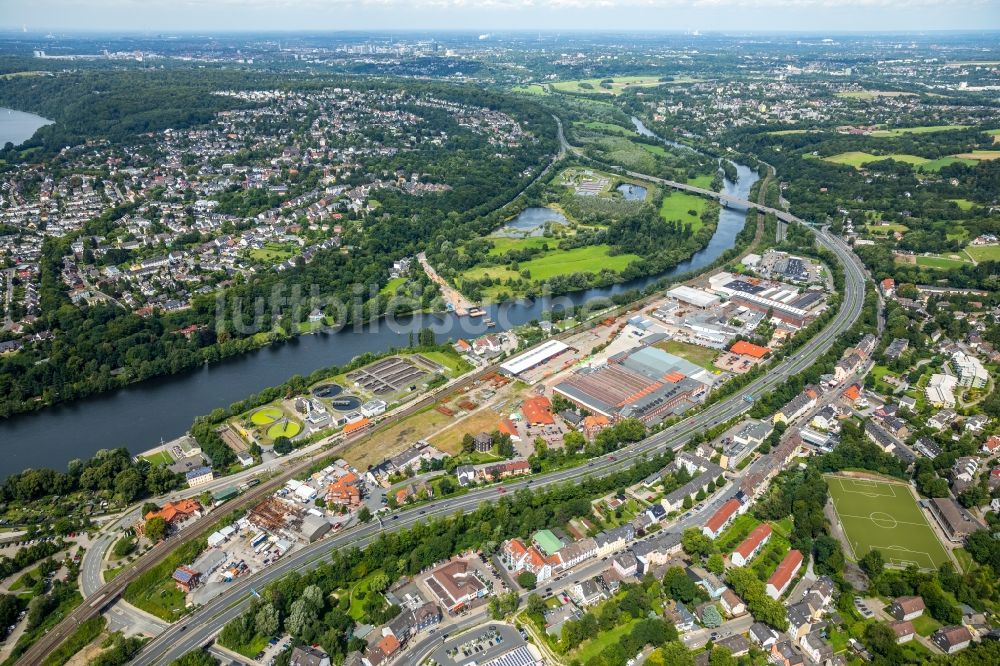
(884, 515)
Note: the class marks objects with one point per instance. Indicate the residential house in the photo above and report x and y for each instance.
(186, 578)
(784, 654)
(952, 639)
(199, 476)
(518, 557)
(903, 630)
(614, 539)
(307, 655)
(800, 620)
(783, 575)
(732, 604)
(483, 442)
(762, 635)
(679, 615)
(722, 518)
(625, 564)
(907, 608)
(709, 581)
(751, 546)
(587, 592)
(797, 406)
(991, 445)
(736, 644)
(815, 648)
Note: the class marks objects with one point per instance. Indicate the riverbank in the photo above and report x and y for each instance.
(141, 415)
(16, 127)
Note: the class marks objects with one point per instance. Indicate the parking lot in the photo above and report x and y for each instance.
(478, 646)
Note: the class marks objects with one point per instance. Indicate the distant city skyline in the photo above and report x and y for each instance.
(546, 15)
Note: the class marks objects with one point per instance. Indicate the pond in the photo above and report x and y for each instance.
(530, 222)
(632, 192)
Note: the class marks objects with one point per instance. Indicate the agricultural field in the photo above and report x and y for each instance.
(980, 155)
(884, 515)
(615, 87)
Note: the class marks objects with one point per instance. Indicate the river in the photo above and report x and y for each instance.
(18, 126)
(140, 416)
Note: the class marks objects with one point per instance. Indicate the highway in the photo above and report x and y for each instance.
(200, 627)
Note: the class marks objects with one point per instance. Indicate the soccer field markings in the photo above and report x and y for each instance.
(875, 518)
(855, 545)
(869, 485)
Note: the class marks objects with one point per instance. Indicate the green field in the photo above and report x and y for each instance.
(984, 252)
(659, 151)
(392, 285)
(942, 262)
(587, 259)
(964, 204)
(680, 205)
(698, 355)
(704, 181)
(617, 85)
(274, 252)
(884, 515)
(790, 132)
(593, 647)
(858, 159)
(531, 89)
(607, 128)
(266, 415)
(158, 458)
(449, 359)
(284, 428)
(925, 129)
(504, 244)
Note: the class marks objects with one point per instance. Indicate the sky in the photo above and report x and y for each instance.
(484, 15)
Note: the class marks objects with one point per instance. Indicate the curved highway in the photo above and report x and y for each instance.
(200, 627)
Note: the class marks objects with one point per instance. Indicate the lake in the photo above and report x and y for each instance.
(18, 126)
(530, 222)
(140, 416)
(632, 192)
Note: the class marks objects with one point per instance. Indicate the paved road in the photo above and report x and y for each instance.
(199, 628)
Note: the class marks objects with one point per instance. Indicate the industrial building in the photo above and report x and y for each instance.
(647, 383)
